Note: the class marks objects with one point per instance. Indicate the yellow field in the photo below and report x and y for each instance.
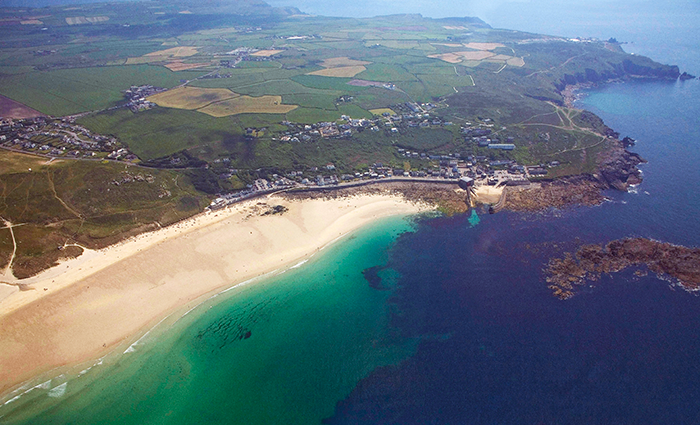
(164, 55)
(248, 105)
(481, 53)
(381, 111)
(342, 62)
(475, 56)
(483, 46)
(177, 52)
(394, 44)
(181, 66)
(519, 62)
(343, 71)
(31, 22)
(457, 57)
(79, 20)
(266, 53)
(190, 97)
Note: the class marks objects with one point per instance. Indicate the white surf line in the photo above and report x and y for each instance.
(299, 264)
(132, 347)
(269, 274)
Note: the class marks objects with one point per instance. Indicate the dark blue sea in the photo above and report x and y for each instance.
(446, 320)
(497, 348)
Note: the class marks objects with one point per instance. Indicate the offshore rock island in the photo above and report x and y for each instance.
(589, 262)
(147, 163)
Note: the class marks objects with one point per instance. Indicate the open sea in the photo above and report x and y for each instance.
(436, 320)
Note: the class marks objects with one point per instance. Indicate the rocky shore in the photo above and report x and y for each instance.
(617, 169)
(589, 262)
(560, 193)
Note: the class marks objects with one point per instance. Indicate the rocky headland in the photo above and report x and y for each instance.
(617, 169)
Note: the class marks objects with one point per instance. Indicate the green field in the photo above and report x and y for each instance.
(70, 69)
(71, 91)
(163, 131)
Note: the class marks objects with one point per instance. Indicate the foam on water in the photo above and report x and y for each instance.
(299, 264)
(59, 391)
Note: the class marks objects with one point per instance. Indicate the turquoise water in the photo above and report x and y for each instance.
(283, 350)
(474, 218)
(451, 323)
(503, 350)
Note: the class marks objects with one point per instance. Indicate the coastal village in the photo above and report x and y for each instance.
(59, 138)
(63, 138)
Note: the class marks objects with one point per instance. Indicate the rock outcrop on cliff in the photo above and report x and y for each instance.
(618, 169)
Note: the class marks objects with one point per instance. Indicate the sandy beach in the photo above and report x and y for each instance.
(83, 308)
(488, 194)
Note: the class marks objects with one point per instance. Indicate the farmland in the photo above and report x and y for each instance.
(162, 131)
(12, 109)
(342, 71)
(227, 77)
(191, 97)
(234, 91)
(220, 102)
(71, 91)
(248, 105)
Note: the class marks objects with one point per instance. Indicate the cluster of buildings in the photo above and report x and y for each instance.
(136, 97)
(477, 170)
(396, 122)
(56, 138)
(258, 188)
(244, 54)
(295, 37)
(348, 125)
(308, 132)
(482, 135)
(214, 76)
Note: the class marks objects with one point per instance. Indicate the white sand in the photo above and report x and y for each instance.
(108, 297)
(488, 194)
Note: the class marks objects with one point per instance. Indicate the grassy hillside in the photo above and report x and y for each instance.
(93, 204)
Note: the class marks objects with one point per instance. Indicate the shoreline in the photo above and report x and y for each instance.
(103, 299)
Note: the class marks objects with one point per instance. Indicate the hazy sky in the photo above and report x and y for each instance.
(662, 29)
(528, 15)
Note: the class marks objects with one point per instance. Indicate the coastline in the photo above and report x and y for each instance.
(106, 298)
